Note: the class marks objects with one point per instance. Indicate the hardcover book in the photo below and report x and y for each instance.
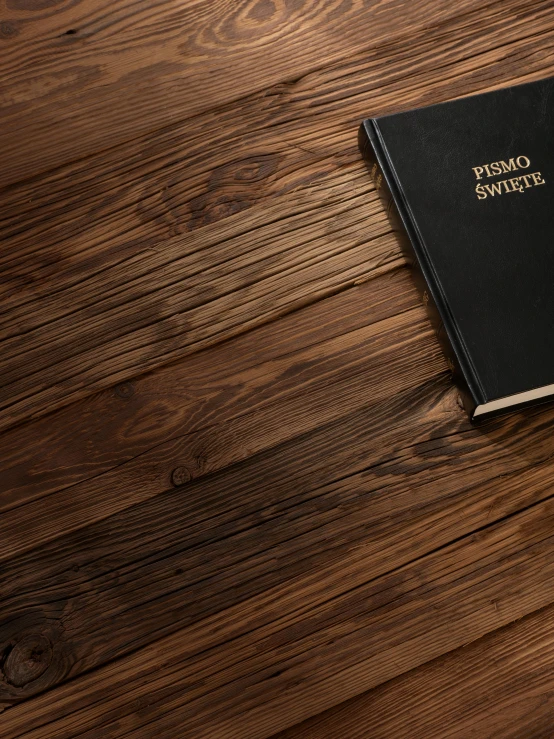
(469, 186)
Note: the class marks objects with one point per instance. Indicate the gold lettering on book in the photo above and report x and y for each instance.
(513, 184)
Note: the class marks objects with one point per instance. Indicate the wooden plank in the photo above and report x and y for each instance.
(273, 375)
(188, 519)
(359, 435)
(328, 541)
(315, 641)
(500, 686)
(221, 250)
(214, 284)
(106, 75)
(213, 448)
(278, 519)
(122, 252)
(120, 203)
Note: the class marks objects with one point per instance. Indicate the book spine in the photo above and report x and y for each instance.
(368, 148)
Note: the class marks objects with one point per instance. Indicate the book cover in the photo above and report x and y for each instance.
(468, 185)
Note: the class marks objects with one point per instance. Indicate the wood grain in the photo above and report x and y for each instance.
(125, 200)
(199, 550)
(459, 695)
(206, 418)
(289, 509)
(357, 635)
(109, 74)
(190, 526)
(212, 285)
(118, 220)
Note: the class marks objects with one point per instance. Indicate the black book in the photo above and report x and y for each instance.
(469, 186)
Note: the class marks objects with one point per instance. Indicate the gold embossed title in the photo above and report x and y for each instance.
(513, 184)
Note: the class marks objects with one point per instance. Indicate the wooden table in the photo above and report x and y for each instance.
(237, 491)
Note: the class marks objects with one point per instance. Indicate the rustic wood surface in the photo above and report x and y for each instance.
(238, 495)
(499, 686)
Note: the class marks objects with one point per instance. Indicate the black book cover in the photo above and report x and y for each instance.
(469, 185)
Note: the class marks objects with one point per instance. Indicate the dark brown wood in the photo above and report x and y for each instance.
(212, 528)
(194, 292)
(121, 219)
(499, 687)
(237, 488)
(65, 67)
(277, 658)
(203, 425)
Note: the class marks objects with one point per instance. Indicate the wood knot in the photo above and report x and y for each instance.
(180, 476)
(28, 660)
(124, 390)
(9, 29)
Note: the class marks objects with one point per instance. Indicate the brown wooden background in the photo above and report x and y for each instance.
(236, 487)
